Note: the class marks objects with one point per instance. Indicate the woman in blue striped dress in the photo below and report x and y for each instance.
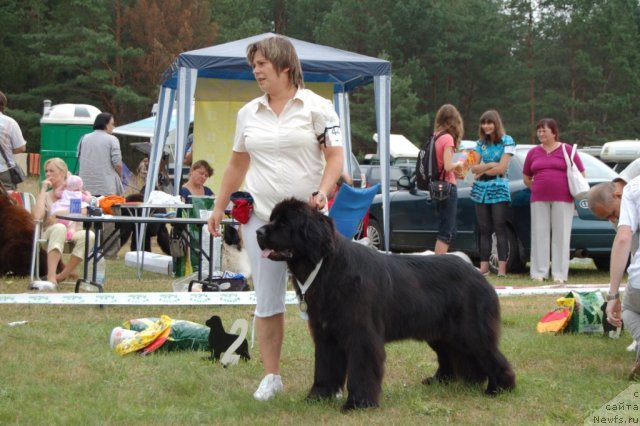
(490, 190)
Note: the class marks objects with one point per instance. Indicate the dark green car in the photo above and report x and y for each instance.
(414, 219)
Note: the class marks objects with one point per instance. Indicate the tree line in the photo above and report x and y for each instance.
(573, 60)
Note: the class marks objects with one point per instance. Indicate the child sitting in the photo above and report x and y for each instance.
(72, 190)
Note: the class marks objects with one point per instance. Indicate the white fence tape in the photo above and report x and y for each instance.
(222, 298)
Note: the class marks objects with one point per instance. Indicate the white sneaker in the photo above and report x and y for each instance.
(43, 286)
(88, 287)
(269, 387)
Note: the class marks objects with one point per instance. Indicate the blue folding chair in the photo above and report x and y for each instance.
(350, 206)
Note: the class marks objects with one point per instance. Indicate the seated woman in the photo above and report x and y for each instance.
(54, 233)
(198, 175)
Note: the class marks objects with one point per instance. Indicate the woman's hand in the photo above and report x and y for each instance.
(458, 170)
(214, 222)
(46, 185)
(318, 200)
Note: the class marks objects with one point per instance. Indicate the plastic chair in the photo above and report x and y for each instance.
(350, 206)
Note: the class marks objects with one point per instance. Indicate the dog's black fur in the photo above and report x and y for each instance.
(231, 236)
(361, 299)
(220, 340)
(158, 230)
(16, 239)
(606, 327)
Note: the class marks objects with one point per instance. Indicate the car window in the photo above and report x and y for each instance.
(374, 173)
(596, 169)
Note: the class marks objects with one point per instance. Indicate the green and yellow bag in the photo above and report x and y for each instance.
(587, 314)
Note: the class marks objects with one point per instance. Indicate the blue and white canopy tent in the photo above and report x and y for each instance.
(345, 70)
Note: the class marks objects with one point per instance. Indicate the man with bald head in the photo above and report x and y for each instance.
(604, 202)
(604, 198)
(628, 225)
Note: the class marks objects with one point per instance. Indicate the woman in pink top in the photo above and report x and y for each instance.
(449, 121)
(545, 172)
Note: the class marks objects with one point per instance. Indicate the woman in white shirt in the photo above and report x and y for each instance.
(280, 141)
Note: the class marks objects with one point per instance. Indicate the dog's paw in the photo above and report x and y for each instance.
(318, 393)
(353, 404)
(435, 379)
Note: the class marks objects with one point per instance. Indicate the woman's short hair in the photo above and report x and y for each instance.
(281, 53)
(58, 163)
(551, 124)
(102, 120)
(491, 116)
(448, 119)
(202, 164)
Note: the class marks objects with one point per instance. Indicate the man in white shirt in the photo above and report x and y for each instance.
(629, 310)
(11, 142)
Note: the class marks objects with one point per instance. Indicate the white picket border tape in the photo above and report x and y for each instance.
(166, 298)
(226, 297)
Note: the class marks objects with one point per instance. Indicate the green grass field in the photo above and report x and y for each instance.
(59, 369)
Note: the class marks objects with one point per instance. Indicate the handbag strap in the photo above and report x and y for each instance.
(566, 156)
(432, 151)
(4, 155)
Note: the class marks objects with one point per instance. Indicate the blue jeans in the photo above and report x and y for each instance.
(447, 211)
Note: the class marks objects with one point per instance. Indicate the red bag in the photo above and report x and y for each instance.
(242, 206)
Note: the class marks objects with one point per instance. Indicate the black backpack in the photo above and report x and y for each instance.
(427, 164)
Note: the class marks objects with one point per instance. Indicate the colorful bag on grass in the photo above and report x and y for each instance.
(587, 314)
(184, 335)
(144, 338)
(557, 320)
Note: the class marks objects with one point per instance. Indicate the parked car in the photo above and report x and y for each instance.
(414, 219)
(373, 175)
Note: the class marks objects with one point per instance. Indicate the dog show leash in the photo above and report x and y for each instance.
(303, 289)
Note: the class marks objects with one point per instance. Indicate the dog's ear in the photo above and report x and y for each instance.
(316, 230)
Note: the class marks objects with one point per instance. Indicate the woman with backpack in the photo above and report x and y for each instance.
(448, 131)
(490, 190)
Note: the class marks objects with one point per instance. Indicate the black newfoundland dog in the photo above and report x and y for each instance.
(361, 298)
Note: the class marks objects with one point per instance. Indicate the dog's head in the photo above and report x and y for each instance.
(296, 231)
(214, 323)
(231, 237)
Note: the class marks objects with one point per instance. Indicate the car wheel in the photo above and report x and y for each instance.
(374, 233)
(514, 264)
(602, 262)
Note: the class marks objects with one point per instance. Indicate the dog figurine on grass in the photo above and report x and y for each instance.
(220, 340)
(357, 299)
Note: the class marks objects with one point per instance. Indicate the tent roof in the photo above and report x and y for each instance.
(319, 63)
(146, 127)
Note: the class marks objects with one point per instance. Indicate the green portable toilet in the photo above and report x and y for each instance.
(61, 128)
